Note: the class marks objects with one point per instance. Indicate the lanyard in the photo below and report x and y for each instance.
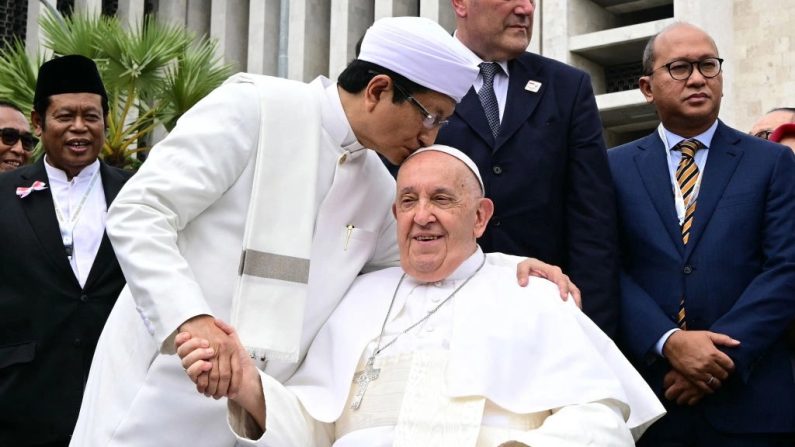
(68, 226)
(679, 201)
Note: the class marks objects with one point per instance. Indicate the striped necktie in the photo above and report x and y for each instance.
(687, 178)
(487, 97)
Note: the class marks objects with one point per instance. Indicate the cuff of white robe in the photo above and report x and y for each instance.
(242, 424)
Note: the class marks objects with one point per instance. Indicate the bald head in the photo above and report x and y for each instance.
(649, 52)
(766, 124)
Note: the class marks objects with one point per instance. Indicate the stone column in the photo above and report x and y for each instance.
(263, 37)
(197, 16)
(308, 39)
(349, 20)
(93, 7)
(229, 24)
(395, 8)
(440, 11)
(173, 11)
(131, 12)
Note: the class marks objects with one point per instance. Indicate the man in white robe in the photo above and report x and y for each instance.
(446, 350)
(279, 171)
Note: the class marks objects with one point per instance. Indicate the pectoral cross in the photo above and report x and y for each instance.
(363, 378)
(349, 229)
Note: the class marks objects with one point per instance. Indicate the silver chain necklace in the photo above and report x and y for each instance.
(370, 373)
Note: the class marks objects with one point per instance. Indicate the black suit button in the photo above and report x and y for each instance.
(84, 297)
(687, 270)
(77, 342)
(496, 170)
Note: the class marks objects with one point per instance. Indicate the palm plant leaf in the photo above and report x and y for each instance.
(18, 76)
(197, 72)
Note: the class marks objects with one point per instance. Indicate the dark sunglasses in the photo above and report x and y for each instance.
(10, 136)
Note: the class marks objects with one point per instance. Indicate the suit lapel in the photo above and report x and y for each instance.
(111, 184)
(471, 112)
(519, 103)
(653, 170)
(40, 212)
(724, 155)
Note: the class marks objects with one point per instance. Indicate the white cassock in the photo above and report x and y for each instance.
(177, 228)
(498, 362)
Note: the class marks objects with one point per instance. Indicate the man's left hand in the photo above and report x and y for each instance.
(680, 390)
(534, 267)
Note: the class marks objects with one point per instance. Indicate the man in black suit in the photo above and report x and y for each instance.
(532, 126)
(59, 277)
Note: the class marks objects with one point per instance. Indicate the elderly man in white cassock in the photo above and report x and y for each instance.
(259, 208)
(446, 350)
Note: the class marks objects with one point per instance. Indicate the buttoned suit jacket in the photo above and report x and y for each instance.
(547, 174)
(736, 273)
(49, 325)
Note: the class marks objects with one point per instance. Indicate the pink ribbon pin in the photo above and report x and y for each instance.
(38, 185)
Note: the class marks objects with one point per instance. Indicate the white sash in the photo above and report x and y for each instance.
(268, 306)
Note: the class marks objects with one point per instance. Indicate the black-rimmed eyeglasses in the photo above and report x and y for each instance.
(429, 121)
(10, 136)
(682, 69)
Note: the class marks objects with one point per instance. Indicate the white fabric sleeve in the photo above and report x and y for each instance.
(596, 423)
(386, 250)
(287, 424)
(185, 174)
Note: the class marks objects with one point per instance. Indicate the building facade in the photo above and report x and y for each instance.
(301, 39)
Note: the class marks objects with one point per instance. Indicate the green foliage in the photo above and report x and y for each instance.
(153, 74)
(18, 76)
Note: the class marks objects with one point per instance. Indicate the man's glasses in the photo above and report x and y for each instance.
(763, 134)
(10, 136)
(681, 69)
(429, 121)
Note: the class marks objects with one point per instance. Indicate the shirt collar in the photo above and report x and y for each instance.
(671, 139)
(476, 59)
(55, 174)
(465, 270)
(339, 129)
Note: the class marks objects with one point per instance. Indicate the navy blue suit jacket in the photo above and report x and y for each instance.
(547, 174)
(737, 272)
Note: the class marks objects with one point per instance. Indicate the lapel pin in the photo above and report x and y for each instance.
(532, 86)
(38, 185)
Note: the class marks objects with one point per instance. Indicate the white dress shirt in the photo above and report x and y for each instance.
(500, 78)
(81, 226)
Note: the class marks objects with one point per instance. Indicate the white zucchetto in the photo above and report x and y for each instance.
(422, 51)
(457, 154)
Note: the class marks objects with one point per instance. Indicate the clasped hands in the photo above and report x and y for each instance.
(698, 367)
(212, 356)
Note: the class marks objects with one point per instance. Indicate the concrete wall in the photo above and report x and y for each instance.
(763, 58)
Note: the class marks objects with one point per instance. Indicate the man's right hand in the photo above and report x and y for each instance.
(696, 356)
(224, 377)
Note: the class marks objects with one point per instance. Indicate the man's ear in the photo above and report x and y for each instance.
(459, 7)
(375, 89)
(483, 215)
(35, 118)
(394, 210)
(644, 84)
